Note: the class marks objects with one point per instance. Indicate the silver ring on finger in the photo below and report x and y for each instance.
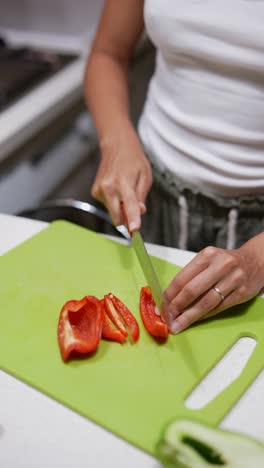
(220, 294)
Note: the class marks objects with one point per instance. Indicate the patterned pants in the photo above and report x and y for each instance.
(180, 216)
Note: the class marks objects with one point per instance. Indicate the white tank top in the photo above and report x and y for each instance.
(204, 114)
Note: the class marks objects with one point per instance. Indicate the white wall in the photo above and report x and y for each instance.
(73, 17)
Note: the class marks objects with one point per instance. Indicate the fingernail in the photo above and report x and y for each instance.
(175, 327)
(133, 226)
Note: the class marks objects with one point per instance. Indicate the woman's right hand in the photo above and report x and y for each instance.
(124, 175)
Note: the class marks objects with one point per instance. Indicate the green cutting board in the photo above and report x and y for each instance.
(131, 390)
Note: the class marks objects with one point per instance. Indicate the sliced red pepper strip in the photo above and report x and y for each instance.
(121, 316)
(129, 319)
(153, 322)
(80, 326)
(114, 315)
(109, 332)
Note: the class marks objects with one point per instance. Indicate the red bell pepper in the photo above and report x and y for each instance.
(80, 326)
(110, 332)
(121, 317)
(152, 321)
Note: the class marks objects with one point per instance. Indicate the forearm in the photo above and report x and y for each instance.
(106, 93)
(106, 90)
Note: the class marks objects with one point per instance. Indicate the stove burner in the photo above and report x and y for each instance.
(23, 68)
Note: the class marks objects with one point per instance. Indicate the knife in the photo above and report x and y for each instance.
(151, 276)
(148, 269)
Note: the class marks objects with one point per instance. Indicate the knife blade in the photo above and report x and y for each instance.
(151, 276)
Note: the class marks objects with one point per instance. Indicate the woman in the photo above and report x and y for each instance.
(201, 137)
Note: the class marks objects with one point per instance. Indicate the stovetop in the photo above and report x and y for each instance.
(24, 68)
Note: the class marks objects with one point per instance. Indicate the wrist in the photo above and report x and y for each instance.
(254, 247)
(119, 136)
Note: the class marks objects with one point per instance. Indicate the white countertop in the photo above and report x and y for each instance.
(36, 431)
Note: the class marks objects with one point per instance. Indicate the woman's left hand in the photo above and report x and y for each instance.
(237, 276)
